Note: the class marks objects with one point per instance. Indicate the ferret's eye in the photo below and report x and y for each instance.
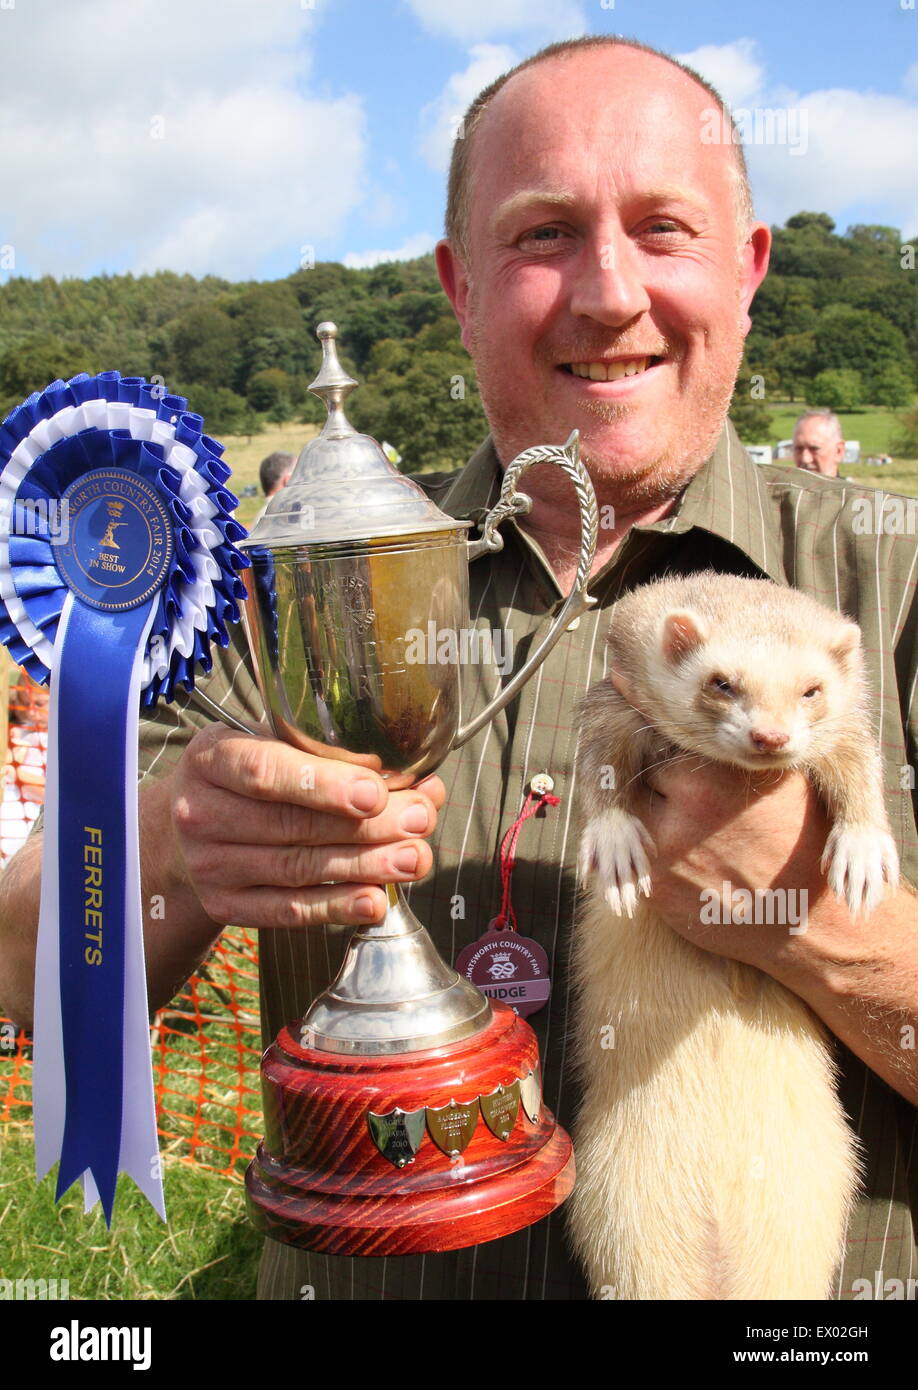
(813, 691)
(721, 685)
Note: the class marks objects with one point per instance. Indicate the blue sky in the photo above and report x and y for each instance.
(241, 137)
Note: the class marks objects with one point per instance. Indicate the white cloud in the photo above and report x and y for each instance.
(842, 148)
(163, 134)
(857, 147)
(733, 68)
(417, 245)
(470, 21)
(440, 119)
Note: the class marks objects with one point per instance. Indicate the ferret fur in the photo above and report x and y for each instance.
(714, 1160)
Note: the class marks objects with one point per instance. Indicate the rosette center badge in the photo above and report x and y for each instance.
(120, 540)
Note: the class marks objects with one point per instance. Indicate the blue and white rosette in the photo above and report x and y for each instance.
(118, 569)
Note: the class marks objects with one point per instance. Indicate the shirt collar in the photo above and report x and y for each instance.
(728, 497)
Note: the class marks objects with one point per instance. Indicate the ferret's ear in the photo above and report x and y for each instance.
(683, 633)
(846, 645)
(622, 685)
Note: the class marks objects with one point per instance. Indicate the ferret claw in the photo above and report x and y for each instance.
(614, 848)
(860, 862)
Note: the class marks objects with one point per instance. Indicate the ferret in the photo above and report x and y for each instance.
(714, 1160)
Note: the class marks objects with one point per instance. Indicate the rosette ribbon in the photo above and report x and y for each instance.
(118, 569)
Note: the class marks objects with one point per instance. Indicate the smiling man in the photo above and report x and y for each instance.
(594, 237)
(601, 258)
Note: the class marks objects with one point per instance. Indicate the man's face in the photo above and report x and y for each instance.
(818, 447)
(605, 289)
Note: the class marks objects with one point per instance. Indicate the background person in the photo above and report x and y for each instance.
(819, 444)
(273, 474)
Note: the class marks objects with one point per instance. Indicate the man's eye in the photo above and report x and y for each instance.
(664, 225)
(546, 236)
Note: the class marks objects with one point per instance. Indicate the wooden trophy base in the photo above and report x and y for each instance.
(320, 1182)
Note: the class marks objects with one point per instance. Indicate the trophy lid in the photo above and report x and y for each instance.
(343, 487)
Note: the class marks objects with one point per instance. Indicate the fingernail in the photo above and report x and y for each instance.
(364, 907)
(364, 794)
(414, 820)
(406, 860)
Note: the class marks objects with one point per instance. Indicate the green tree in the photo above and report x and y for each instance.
(36, 362)
(819, 222)
(432, 414)
(416, 309)
(905, 437)
(442, 334)
(885, 240)
(748, 411)
(205, 347)
(268, 389)
(385, 280)
(390, 355)
(858, 339)
(224, 412)
(793, 359)
(839, 388)
(894, 386)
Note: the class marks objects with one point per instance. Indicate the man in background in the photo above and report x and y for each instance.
(273, 474)
(819, 445)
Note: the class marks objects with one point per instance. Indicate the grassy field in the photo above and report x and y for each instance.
(205, 1055)
(207, 1251)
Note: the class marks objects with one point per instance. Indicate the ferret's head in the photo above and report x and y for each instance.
(772, 691)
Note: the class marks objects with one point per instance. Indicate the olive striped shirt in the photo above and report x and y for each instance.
(816, 534)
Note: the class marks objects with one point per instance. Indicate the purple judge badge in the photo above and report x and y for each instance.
(508, 967)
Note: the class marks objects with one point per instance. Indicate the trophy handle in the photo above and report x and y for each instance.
(229, 720)
(513, 503)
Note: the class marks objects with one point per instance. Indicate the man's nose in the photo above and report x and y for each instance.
(609, 285)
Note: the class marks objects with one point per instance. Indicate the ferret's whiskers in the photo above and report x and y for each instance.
(669, 761)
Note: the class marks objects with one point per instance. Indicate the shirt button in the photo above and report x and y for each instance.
(542, 783)
(572, 627)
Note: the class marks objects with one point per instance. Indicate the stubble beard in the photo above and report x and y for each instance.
(651, 481)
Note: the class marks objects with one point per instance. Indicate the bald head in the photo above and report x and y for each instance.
(819, 442)
(603, 287)
(614, 59)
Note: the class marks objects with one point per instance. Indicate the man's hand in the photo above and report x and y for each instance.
(246, 831)
(269, 836)
(714, 826)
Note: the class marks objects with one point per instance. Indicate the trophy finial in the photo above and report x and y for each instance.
(333, 384)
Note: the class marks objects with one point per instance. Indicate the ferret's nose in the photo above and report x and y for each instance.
(768, 740)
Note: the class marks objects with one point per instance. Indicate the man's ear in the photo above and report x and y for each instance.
(455, 284)
(755, 256)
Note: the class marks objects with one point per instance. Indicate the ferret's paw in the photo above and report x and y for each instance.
(861, 862)
(614, 848)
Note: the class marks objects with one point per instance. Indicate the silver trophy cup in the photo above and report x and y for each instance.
(348, 561)
(390, 1156)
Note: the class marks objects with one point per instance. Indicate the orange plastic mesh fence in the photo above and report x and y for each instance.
(206, 1044)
